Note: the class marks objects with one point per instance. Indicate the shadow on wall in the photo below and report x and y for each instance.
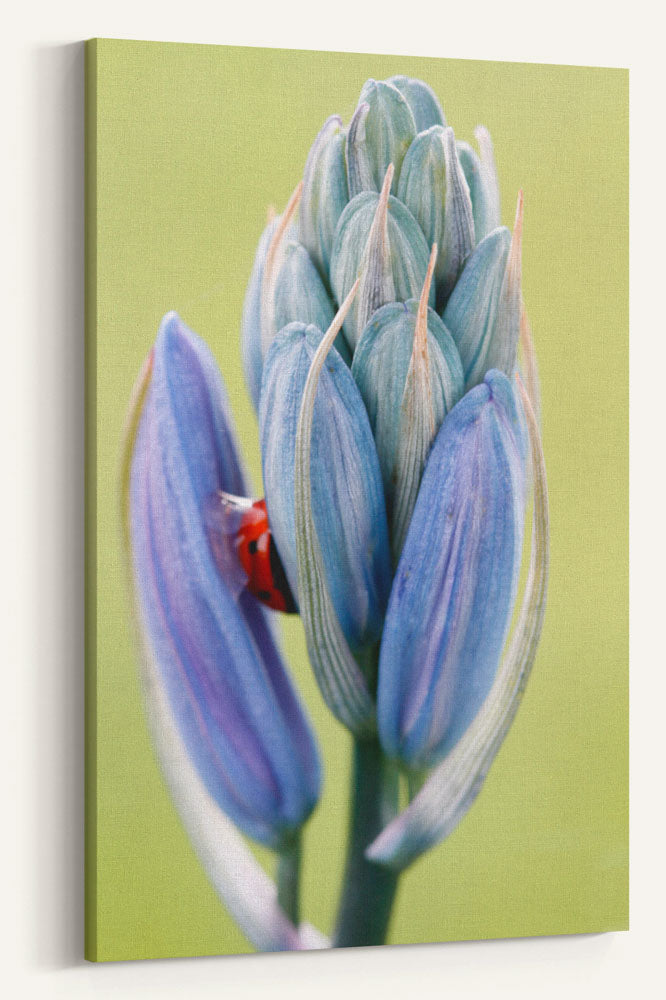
(56, 557)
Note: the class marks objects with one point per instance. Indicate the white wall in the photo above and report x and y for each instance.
(41, 230)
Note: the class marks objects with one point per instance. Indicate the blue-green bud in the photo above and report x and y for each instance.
(458, 239)
(483, 312)
(410, 376)
(300, 295)
(380, 133)
(434, 188)
(423, 186)
(424, 105)
(482, 183)
(378, 240)
(325, 193)
(470, 312)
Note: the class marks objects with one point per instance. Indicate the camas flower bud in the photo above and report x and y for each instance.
(422, 101)
(380, 134)
(347, 497)
(456, 581)
(325, 193)
(483, 313)
(214, 651)
(399, 337)
(379, 240)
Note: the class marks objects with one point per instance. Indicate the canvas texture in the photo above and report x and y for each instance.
(188, 146)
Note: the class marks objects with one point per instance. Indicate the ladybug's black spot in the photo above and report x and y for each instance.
(280, 581)
(252, 547)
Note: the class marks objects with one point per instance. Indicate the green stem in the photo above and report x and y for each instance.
(288, 878)
(415, 782)
(368, 890)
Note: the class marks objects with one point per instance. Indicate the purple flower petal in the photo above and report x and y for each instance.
(234, 706)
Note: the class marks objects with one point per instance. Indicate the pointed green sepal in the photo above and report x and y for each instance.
(530, 364)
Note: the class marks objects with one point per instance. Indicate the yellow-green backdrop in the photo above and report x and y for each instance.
(187, 147)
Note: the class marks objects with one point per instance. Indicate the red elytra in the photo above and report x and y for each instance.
(243, 547)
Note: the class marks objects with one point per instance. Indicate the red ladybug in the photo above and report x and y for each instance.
(245, 552)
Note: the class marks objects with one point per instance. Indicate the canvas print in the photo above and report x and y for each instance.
(354, 501)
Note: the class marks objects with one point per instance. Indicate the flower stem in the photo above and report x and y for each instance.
(368, 889)
(288, 878)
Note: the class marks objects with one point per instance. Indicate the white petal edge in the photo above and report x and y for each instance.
(275, 258)
(417, 426)
(339, 677)
(504, 345)
(248, 893)
(489, 174)
(530, 364)
(377, 286)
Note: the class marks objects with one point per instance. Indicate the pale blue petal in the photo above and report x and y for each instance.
(300, 295)
(456, 581)
(471, 312)
(489, 175)
(422, 186)
(452, 787)
(380, 368)
(251, 349)
(347, 497)
(325, 193)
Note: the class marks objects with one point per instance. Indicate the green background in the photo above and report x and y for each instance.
(187, 147)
